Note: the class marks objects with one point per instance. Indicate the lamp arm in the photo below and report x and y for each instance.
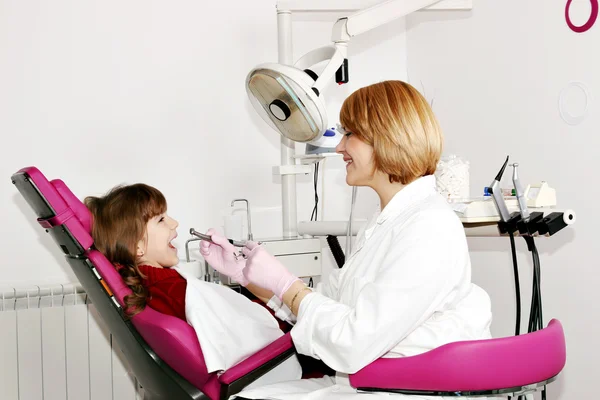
(315, 56)
(341, 50)
(374, 16)
(363, 21)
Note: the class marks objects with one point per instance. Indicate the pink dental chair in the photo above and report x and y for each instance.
(167, 359)
(163, 351)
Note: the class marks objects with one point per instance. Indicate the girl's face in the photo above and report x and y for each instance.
(358, 156)
(157, 249)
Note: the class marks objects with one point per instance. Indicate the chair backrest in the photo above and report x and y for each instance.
(68, 221)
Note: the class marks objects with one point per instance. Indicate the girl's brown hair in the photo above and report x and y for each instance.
(119, 221)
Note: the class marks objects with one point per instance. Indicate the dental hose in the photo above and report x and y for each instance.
(334, 243)
(349, 231)
(336, 250)
(536, 319)
(517, 284)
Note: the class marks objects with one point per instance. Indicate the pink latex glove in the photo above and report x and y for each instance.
(264, 270)
(221, 256)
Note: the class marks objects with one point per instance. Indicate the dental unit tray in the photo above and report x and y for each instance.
(484, 210)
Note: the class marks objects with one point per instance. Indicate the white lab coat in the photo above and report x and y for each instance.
(405, 289)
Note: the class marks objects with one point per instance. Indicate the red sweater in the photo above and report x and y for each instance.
(166, 290)
(166, 293)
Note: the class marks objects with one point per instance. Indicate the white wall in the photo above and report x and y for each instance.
(102, 93)
(495, 75)
(108, 92)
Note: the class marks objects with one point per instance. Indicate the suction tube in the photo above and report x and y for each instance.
(336, 250)
(349, 231)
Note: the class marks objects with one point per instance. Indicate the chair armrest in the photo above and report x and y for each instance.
(270, 357)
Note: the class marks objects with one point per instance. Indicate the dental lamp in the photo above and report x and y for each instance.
(289, 98)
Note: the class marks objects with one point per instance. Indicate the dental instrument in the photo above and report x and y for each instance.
(497, 195)
(208, 238)
(520, 194)
(236, 243)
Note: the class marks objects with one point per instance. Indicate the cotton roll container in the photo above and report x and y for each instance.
(195, 266)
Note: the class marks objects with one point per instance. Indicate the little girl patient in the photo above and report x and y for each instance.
(132, 229)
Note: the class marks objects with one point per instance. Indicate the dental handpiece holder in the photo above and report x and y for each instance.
(497, 196)
(537, 222)
(520, 194)
(508, 222)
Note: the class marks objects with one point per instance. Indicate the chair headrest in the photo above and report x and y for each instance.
(71, 212)
(68, 210)
(105, 267)
(81, 211)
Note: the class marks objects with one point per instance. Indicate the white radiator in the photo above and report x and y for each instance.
(55, 346)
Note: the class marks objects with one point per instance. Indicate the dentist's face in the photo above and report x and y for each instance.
(157, 249)
(358, 156)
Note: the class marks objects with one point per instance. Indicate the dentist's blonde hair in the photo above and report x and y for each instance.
(396, 120)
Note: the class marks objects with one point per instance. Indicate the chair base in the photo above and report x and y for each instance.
(513, 391)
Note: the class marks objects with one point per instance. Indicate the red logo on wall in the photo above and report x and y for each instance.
(590, 22)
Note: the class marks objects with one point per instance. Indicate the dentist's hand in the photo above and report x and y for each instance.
(264, 270)
(221, 256)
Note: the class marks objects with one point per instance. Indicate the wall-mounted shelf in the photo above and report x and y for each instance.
(355, 5)
(481, 228)
(306, 159)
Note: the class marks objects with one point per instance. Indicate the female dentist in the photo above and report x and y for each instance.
(406, 288)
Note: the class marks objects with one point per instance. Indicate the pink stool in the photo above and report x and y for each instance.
(510, 366)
